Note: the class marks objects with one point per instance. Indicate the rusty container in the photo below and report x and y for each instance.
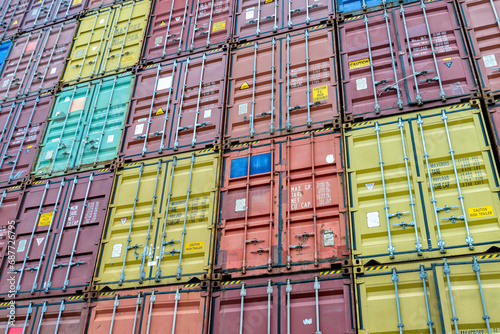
(281, 85)
(44, 315)
(58, 231)
(183, 27)
(255, 19)
(481, 24)
(36, 61)
(23, 123)
(11, 17)
(176, 106)
(45, 12)
(321, 302)
(10, 201)
(175, 308)
(282, 206)
(383, 74)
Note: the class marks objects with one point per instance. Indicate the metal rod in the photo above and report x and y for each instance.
(410, 55)
(152, 299)
(4, 155)
(247, 199)
(153, 96)
(288, 291)
(446, 271)
(257, 31)
(316, 292)
(11, 18)
(100, 44)
(44, 309)
(191, 48)
(423, 276)
(164, 53)
(184, 85)
(89, 125)
(243, 293)
(177, 298)
(162, 146)
(255, 48)
(289, 199)
(315, 214)
(308, 92)
(269, 295)
(195, 125)
(395, 280)
(179, 48)
(44, 75)
(137, 304)
(61, 309)
(112, 37)
(273, 68)
(124, 38)
(288, 123)
(115, 305)
(372, 68)
(497, 20)
(476, 269)
(30, 310)
(290, 24)
(393, 61)
(210, 27)
(4, 131)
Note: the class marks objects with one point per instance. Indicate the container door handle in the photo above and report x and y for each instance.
(243, 293)
(61, 309)
(269, 295)
(254, 73)
(476, 269)
(410, 55)
(393, 62)
(446, 271)
(316, 292)
(162, 146)
(196, 125)
(28, 313)
(210, 26)
(115, 305)
(372, 68)
(195, 29)
(44, 309)
(137, 304)
(177, 298)
(273, 68)
(288, 291)
(167, 34)
(152, 299)
(184, 85)
(179, 48)
(288, 122)
(423, 276)
(395, 280)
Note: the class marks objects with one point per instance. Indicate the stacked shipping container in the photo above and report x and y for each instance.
(213, 166)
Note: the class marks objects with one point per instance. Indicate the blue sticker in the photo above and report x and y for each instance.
(448, 64)
(259, 164)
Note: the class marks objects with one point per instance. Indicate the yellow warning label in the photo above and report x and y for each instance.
(15, 22)
(268, 1)
(76, 2)
(320, 93)
(160, 112)
(217, 26)
(445, 59)
(481, 211)
(359, 63)
(162, 23)
(45, 219)
(194, 246)
(244, 86)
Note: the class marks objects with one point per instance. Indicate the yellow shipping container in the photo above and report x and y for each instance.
(160, 222)
(454, 296)
(108, 41)
(405, 203)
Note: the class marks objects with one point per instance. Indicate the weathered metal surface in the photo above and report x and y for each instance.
(10, 201)
(284, 211)
(176, 106)
(11, 16)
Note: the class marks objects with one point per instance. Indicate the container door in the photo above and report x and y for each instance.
(22, 318)
(257, 18)
(302, 13)
(60, 316)
(11, 17)
(10, 200)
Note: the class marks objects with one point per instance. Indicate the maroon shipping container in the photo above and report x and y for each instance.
(307, 304)
(255, 19)
(41, 13)
(282, 85)
(186, 26)
(11, 17)
(23, 122)
(482, 26)
(284, 211)
(10, 202)
(170, 309)
(383, 74)
(176, 106)
(58, 231)
(54, 315)
(36, 61)
(98, 4)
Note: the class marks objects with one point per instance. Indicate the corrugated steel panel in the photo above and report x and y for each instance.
(10, 201)
(283, 84)
(481, 26)
(176, 309)
(176, 106)
(41, 13)
(160, 222)
(58, 229)
(181, 27)
(383, 74)
(404, 195)
(53, 315)
(4, 52)
(11, 17)
(37, 59)
(350, 8)
(23, 123)
(458, 295)
(307, 303)
(255, 19)
(285, 209)
(107, 41)
(85, 127)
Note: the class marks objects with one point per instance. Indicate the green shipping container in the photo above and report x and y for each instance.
(85, 127)
(107, 42)
(404, 199)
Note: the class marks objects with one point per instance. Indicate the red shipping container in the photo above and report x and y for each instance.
(53, 315)
(41, 13)
(11, 17)
(23, 122)
(58, 232)
(181, 27)
(284, 210)
(173, 309)
(10, 202)
(255, 19)
(176, 106)
(383, 74)
(309, 303)
(36, 61)
(481, 26)
(282, 85)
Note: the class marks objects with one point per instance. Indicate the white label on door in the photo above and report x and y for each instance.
(79, 53)
(39, 240)
(370, 186)
(151, 263)
(5, 83)
(241, 205)
(21, 246)
(158, 40)
(373, 219)
(328, 239)
(94, 48)
(456, 88)
(330, 159)
(164, 83)
(307, 321)
(34, 11)
(249, 13)
(138, 129)
(110, 138)
(490, 61)
(101, 21)
(49, 154)
(117, 250)
(53, 70)
(242, 108)
(177, 18)
(66, 99)
(361, 84)
(208, 113)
